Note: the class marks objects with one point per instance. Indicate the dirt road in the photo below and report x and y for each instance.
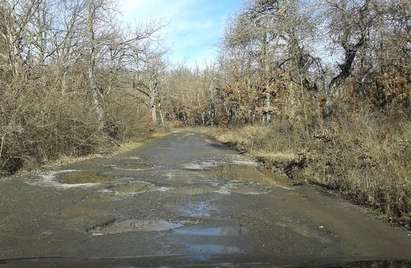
(185, 198)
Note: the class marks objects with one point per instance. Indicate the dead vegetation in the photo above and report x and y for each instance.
(369, 168)
(340, 121)
(68, 72)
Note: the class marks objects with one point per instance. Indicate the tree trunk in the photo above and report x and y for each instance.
(154, 114)
(92, 65)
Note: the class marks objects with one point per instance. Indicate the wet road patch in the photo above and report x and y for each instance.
(211, 231)
(246, 188)
(132, 164)
(194, 190)
(202, 165)
(82, 177)
(131, 188)
(134, 225)
(213, 249)
(51, 179)
(199, 209)
(238, 172)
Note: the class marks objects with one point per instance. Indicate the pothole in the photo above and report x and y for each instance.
(134, 225)
(209, 164)
(198, 209)
(131, 188)
(211, 231)
(202, 165)
(192, 190)
(213, 249)
(238, 172)
(82, 177)
(243, 188)
(247, 174)
(132, 164)
(50, 179)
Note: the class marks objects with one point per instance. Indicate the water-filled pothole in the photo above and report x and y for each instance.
(245, 188)
(82, 177)
(238, 172)
(134, 225)
(248, 174)
(131, 188)
(202, 165)
(213, 249)
(198, 209)
(132, 164)
(211, 231)
(194, 190)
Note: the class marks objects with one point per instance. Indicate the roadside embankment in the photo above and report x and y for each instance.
(367, 167)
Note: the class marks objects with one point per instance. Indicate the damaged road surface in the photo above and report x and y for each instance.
(182, 200)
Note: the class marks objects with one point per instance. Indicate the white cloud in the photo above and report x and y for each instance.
(193, 27)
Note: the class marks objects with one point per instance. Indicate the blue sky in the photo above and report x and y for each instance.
(194, 28)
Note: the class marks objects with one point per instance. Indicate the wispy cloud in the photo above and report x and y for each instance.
(193, 30)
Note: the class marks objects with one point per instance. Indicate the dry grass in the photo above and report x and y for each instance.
(44, 126)
(367, 161)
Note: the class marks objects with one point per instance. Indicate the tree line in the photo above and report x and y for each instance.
(70, 78)
(297, 59)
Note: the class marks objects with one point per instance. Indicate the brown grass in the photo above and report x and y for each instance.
(365, 160)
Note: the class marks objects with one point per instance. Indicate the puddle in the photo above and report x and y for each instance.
(132, 164)
(245, 173)
(192, 190)
(213, 249)
(83, 177)
(197, 209)
(49, 179)
(238, 172)
(202, 165)
(134, 225)
(245, 162)
(132, 158)
(237, 168)
(211, 231)
(305, 231)
(209, 164)
(245, 188)
(131, 188)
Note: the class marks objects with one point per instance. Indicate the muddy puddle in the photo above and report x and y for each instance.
(227, 187)
(246, 188)
(238, 172)
(210, 164)
(213, 249)
(320, 233)
(130, 188)
(195, 190)
(202, 165)
(237, 169)
(134, 225)
(132, 164)
(248, 174)
(82, 177)
(199, 209)
(211, 231)
(57, 179)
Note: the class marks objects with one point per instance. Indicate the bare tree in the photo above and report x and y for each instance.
(148, 81)
(14, 27)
